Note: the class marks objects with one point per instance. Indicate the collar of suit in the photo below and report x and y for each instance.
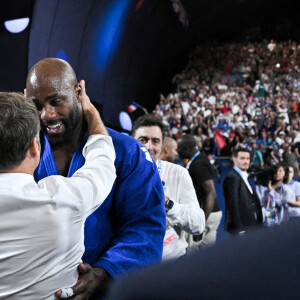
(244, 175)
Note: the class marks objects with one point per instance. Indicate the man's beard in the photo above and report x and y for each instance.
(67, 135)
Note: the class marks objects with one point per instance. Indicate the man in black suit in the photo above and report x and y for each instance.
(242, 205)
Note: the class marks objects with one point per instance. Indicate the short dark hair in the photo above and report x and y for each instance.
(188, 141)
(285, 166)
(238, 150)
(148, 121)
(19, 124)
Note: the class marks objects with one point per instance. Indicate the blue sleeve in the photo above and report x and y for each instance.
(138, 212)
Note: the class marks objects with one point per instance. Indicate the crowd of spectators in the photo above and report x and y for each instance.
(239, 95)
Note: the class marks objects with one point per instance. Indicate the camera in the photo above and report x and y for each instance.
(262, 175)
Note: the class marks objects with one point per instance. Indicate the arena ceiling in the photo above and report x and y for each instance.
(218, 19)
(234, 19)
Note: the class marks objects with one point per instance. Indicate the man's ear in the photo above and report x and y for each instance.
(34, 149)
(77, 91)
(233, 159)
(166, 149)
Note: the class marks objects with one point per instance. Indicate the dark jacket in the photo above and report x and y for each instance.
(242, 209)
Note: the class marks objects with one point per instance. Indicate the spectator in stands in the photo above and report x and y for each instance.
(294, 204)
(270, 157)
(271, 105)
(208, 146)
(200, 137)
(256, 156)
(275, 196)
(280, 138)
(290, 158)
(262, 139)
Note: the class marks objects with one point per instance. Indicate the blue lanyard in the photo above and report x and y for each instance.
(159, 167)
(192, 159)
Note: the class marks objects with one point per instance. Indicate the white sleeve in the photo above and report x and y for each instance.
(288, 194)
(98, 171)
(297, 188)
(187, 213)
(262, 193)
(89, 186)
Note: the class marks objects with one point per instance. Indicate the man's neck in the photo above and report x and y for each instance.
(165, 158)
(245, 171)
(20, 171)
(63, 154)
(162, 157)
(26, 167)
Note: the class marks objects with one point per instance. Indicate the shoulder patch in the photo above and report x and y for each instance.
(147, 154)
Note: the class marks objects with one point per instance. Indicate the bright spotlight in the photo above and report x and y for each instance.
(16, 25)
(125, 121)
(277, 65)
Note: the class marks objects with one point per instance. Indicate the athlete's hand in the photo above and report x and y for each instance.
(91, 114)
(91, 284)
(84, 99)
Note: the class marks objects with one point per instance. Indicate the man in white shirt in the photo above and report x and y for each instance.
(280, 139)
(42, 223)
(184, 214)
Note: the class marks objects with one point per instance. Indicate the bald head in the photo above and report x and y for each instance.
(169, 142)
(58, 70)
(169, 150)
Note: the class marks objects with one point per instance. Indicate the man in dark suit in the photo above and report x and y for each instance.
(242, 205)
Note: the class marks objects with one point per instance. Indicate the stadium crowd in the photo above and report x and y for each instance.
(239, 95)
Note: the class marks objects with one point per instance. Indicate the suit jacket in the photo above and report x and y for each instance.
(242, 209)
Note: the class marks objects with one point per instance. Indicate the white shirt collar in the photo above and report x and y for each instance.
(242, 173)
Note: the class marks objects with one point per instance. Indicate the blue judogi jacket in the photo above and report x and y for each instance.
(127, 230)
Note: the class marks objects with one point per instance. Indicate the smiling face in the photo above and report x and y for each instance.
(54, 94)
(151, 138)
